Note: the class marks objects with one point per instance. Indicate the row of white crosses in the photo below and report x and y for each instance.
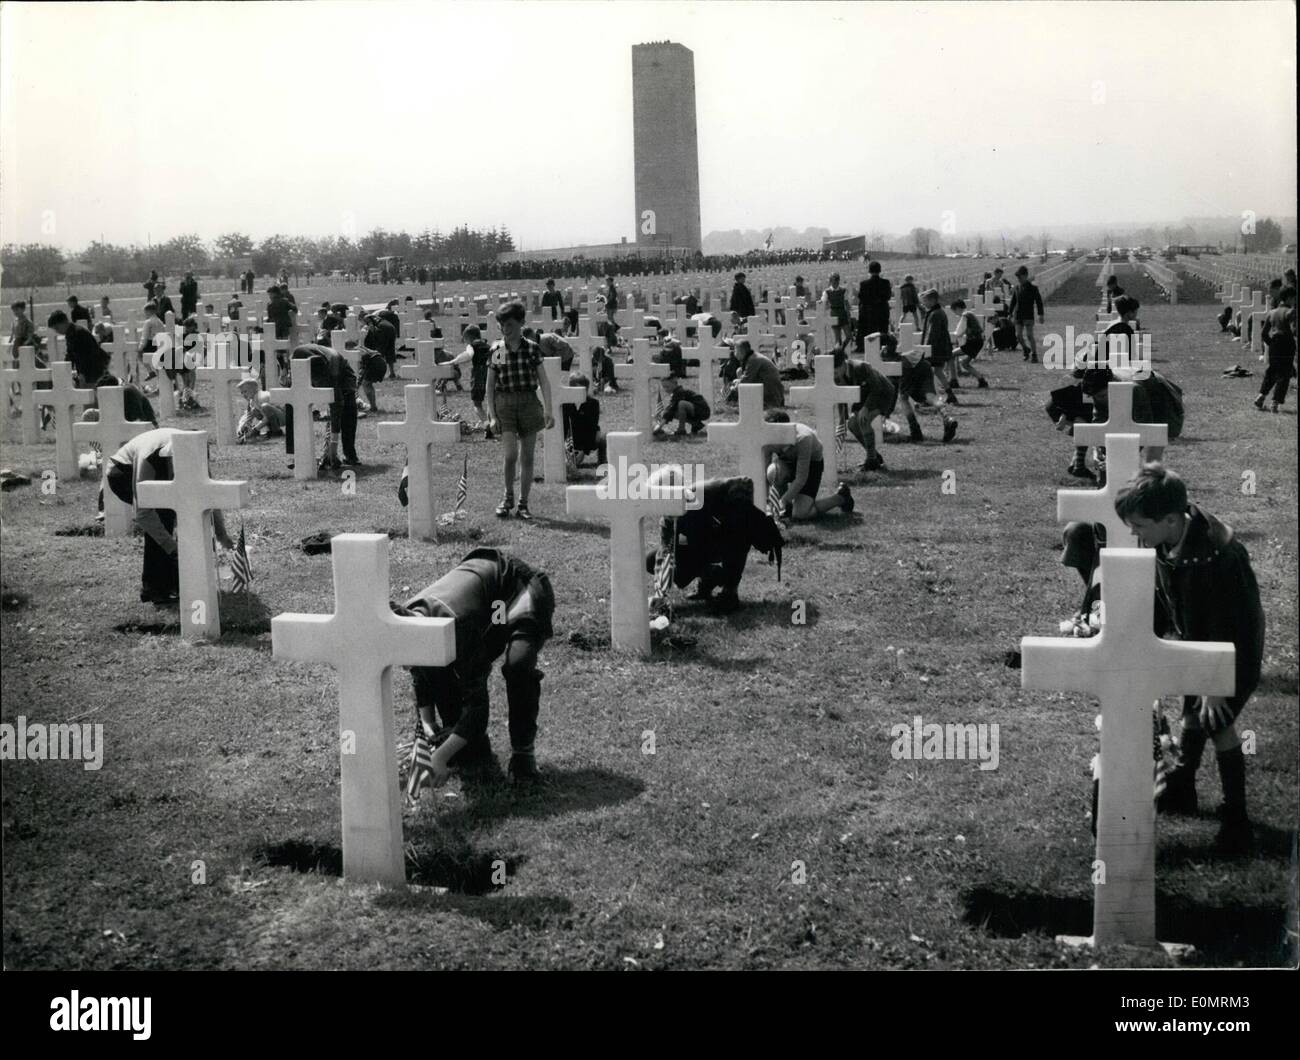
(1127, 668)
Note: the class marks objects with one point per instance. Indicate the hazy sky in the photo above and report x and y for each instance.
(149, 120)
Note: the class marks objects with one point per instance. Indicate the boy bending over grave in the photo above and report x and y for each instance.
(262, 418)
(796, 471)
(1155, 400)
(582, 424)
(1205, 590)
(148, 457)
(476, 354)
(502, 607)
(876, 397)
(970, 340)
(330, 370)
(713, 540)
(918, 388)
(688, 408)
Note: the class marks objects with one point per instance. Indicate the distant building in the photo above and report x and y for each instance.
(844, 244)
(666, 145)
(595, 251)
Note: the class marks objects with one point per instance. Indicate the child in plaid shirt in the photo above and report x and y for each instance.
(514, 378)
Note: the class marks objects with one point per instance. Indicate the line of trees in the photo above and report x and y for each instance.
(40, 265)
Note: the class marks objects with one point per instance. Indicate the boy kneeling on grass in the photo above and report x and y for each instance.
(502, 606)
(795, 470)
(686, 407)
(1205, 590)
(582, 424)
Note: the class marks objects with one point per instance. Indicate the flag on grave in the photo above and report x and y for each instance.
(666, 567)
(462, 487)
(774, 506)
(570, 453)
(841, 436)
(241, 572)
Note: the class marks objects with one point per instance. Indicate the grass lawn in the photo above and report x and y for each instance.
(772, 740)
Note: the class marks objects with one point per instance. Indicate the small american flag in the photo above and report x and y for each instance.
(570, 453)
(659, 406)
(666, 567)
(774, 507)
(241, 572)
(841, 436)
(462, 487)
(444, 411)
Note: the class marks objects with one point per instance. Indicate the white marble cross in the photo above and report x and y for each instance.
(192, 494)
(121, 354)
(709, 355)
(642, 371)
(1120, 411)
(908, 337)
(222, 366)
(110, 432)
(302, 397)
(26, 375)
(749, 435)
(1098, 506)
(554, 467)
(418, 432)
(871, 350)
(1128, 668)
(825, 396)
(64, 398)
(1256, 313)
(581, 344)
(625, 499)
(424, 367)
(363, 640)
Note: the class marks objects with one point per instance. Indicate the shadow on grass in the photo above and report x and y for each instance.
(577, 526)
(1274, 844)
(501, 913)
(1223, 934)
(770, 613)
(899, 476)
(1279, 684)
(453, 864)
(243, 615)
(491, 797)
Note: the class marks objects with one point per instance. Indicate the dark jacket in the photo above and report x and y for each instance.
(1210, 593)
(582, 424)
(758, 369)
(681, 393)
(554, 301)
(328, 369)
(467, 594)
(875, 391)
(717, 536)
(936, 335)
(1025, 300)
(88, 358)
(873, 304)
(742, 301)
